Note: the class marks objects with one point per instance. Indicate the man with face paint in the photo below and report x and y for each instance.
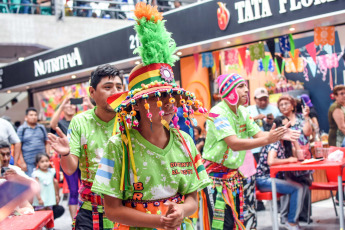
(227, 139)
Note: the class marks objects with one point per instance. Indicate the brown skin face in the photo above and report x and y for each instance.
(105, 88)
(6, 156)
(31, 118)
(262, 102)
(340, 97)
(285, 107)
(69, 109)
(156, 118)
(242, 91)
(44, 163)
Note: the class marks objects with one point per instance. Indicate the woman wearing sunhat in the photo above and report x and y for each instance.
(148, 167)
(224, 152)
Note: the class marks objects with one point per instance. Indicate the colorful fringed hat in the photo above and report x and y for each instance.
(153, 77)
(227, 87)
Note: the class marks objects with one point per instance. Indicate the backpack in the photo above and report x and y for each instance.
(41, 128)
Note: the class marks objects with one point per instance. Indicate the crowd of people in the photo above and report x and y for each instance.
(137, 159)
(113, 10)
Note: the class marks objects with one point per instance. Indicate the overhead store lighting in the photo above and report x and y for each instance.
(292, 29)
(137, 62)
(8, 91)
(228, 42)
(21, 59)
(179, 53)
(73, 76)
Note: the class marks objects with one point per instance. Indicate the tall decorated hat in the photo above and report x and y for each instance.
(153, 78)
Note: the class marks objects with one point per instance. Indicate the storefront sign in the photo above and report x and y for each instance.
(256, 9)
(57, 64)
(247, 17)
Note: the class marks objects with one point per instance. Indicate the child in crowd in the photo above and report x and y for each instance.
(149, 167)
(49, 193)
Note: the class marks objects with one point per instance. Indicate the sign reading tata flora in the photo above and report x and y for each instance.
(52, 65)
(250, 10)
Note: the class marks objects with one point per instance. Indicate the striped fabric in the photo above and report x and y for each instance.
(105, 171)
(221, 123)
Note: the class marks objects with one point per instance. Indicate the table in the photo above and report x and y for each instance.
(34, 221)
(325, 164)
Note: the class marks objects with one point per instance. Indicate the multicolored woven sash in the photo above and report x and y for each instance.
(228, 183)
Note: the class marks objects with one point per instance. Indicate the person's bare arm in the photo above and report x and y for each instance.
(56, 116)
(273, 160)
(57, 194)
(338, 117)
(69, 162)
(116, 212)
(17, 151)
(47, 147)
(307, 129)
(260, 139)
(260, 116)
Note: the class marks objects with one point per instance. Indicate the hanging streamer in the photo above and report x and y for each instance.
(242, 51)
(292, 46)
(324, 35)
(196, 60)
(305, 71)
(328, 49)
(284, 44)
(312, 65)
(257, 51)
(249, 65)
(311, 51)
(207, 60)
(271, 46)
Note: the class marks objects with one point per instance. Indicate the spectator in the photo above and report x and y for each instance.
(25, 9)
(87, 135)
(177, 4)
(49, 192)
(85, 11)
(8, 134)
(302, 123)
(278, 153)
(199, 141)
(5, 152)
(336, 117)
(263, 114)
(69, 111)
(118, 14)
(34, 139)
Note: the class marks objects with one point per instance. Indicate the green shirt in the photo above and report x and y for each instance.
(87, 128)
(162, 173)
(228, 124)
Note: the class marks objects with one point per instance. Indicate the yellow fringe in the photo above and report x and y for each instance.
(131, 154)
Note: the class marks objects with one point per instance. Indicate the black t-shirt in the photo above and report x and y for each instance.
(63, 125)
(312, 113)
(198, 141)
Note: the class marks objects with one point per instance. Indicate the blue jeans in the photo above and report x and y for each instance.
(285, 187)
(30, 168)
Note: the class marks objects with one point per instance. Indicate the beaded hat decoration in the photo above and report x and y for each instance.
(154, 77)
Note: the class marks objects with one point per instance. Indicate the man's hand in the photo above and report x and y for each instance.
(59, 144)
(275, 134)
(10, 172)
(260, 116)
(23, 166)
(174, 216)
(291, 135)
(40, 202)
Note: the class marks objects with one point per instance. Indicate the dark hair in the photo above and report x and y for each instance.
(287, 144)
(337, 89)
(39, 157)
(197, 128)
(101, 72)
(30, 109)
(4, 144)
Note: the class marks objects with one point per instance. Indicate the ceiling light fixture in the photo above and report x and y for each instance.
(73, 76)
(21, 59)
(292, 29)
(179, 53)
(137, 62)
(228, 42)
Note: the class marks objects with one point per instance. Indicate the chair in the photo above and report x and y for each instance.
(332, 184)
(266, 196)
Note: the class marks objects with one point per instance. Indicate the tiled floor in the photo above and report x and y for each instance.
(323, 216)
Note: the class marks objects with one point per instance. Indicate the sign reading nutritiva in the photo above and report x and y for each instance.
(59, 63)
